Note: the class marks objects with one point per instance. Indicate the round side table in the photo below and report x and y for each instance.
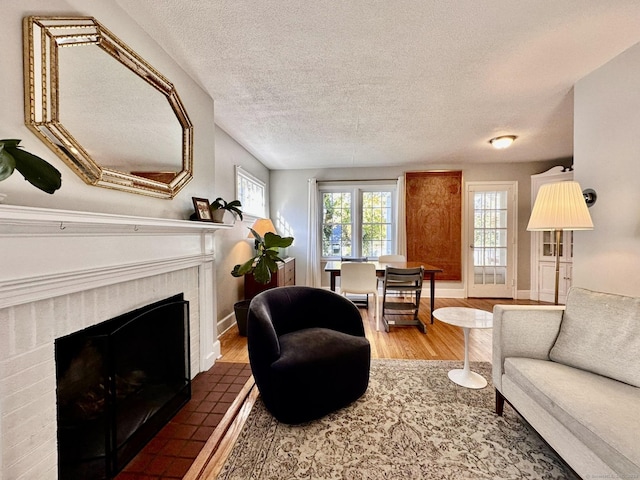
(466, 318)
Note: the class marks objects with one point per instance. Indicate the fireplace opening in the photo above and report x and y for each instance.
(118, 383)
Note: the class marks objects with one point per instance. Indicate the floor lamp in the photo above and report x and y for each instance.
(559, 206)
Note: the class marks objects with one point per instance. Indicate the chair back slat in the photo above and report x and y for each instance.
(404, 275)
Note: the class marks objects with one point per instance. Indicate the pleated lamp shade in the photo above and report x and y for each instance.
(560, 206)
(262, 226)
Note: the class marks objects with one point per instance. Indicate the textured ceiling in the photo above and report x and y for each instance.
(355, 83)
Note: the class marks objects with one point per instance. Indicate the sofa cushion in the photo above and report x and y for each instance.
(602, 413)
(600, 332)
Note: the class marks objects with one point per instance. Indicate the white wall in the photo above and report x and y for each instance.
(75, 194)
(289, 201)
(215, 153)
(232, 245)
(607, 159)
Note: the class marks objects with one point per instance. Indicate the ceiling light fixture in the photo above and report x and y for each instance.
(503, 141)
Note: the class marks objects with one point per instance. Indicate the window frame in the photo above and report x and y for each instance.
(241, 173)
(357, 189)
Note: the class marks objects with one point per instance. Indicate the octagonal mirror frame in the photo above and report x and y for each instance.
(43, 37)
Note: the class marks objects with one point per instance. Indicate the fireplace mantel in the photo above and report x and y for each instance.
(18, 219)
(48, 252)
(62, 271)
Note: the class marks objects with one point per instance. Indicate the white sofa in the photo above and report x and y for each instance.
(573, 373)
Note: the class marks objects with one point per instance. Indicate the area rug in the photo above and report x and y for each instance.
(412, 423)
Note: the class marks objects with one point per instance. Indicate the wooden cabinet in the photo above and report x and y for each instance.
(547, 281)
(285, 276)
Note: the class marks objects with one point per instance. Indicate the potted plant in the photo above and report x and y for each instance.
(219, 206)
(34, 169)
(262, 265)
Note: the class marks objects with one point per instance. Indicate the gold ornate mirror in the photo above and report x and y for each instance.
(115, 120)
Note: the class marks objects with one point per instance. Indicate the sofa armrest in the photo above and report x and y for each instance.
(523, 331)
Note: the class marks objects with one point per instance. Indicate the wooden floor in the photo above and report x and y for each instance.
(441, 342)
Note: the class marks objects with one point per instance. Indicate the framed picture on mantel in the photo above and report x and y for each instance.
(203, 209)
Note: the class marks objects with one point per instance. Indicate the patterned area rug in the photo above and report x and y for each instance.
(412, 423)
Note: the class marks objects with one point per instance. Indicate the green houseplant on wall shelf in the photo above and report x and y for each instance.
(219, 206)
(34, 169)
(262, 266)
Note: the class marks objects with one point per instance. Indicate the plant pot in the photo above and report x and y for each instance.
(218, 215)
(241, 309)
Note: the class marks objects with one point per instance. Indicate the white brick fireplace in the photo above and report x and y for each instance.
(62, 271)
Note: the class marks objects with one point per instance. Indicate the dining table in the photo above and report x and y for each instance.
(333, 267)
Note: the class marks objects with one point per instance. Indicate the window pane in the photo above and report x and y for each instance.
(251, 193)
(490, 234)
(376, 223)
(336, 225)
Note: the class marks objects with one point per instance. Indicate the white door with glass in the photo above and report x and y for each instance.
(491, 220)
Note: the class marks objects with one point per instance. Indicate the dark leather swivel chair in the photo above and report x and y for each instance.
(307, 351)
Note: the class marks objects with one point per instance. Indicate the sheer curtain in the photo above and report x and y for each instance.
(401, 224)
(313, 236)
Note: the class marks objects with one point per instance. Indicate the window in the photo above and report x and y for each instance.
(377, 224)
(251, 193)
(357, 220)
(336, 224)
(490, 237)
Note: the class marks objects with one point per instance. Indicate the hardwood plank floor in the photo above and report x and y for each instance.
(441, 342)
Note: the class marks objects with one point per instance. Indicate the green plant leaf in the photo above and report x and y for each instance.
(235, 210)
(7, 163)
(270, 262)
(240, 270)
(35, 170)
(233, 206)
(262, 273)
(272, 240)
(10, 142)
(273, 253)
(257, 236)
(218, 203)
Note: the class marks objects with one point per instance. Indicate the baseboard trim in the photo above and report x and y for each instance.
(226, 323)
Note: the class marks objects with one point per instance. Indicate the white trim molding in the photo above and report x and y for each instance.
(63, 271)
(57, 252)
